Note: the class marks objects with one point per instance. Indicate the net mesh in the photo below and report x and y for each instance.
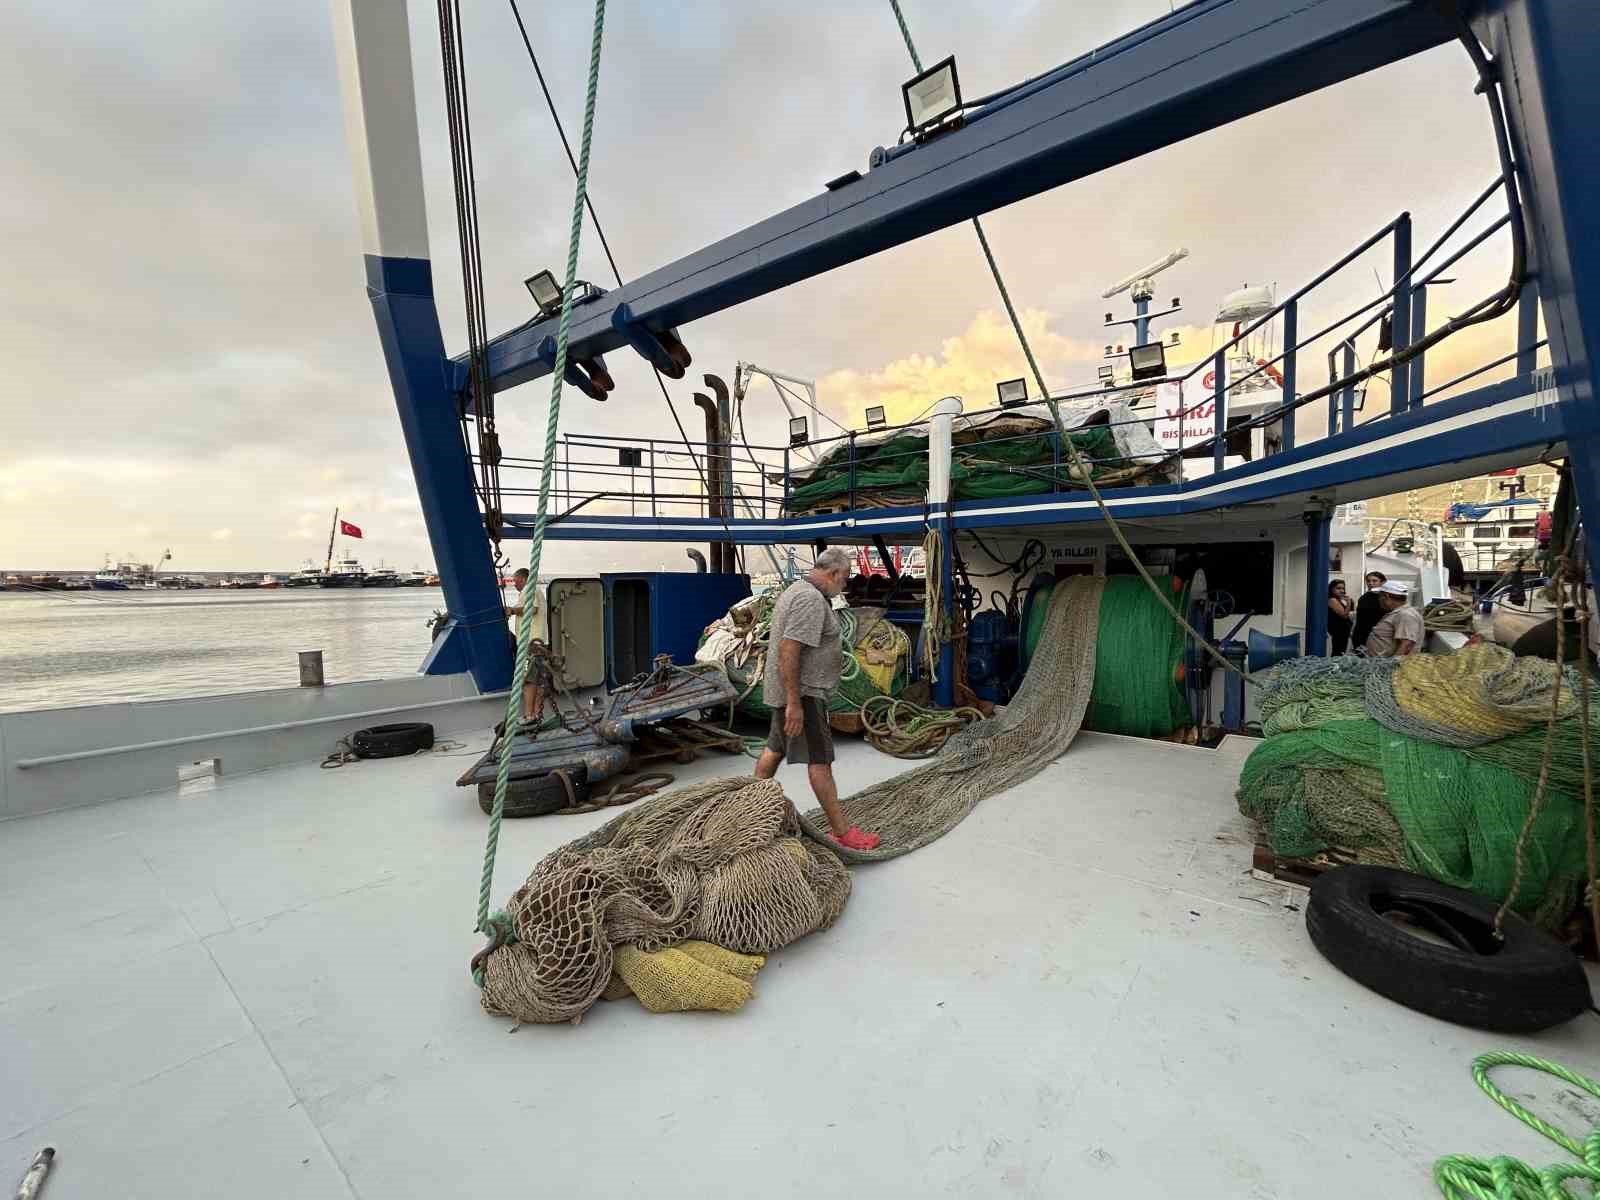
(1428, 762)
(720, 861)
(986, 757)
(727, 862)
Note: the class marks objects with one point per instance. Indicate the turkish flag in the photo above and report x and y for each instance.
(349, 530)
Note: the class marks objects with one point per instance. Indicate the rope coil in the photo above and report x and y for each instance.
(1465, 1177)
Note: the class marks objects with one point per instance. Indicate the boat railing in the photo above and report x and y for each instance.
(1189, 418)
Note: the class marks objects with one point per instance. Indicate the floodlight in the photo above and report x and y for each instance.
(876, 417)
(1012, 392)
(798, 435)
(932, 96)
(1108, 372)
(546, 292)
(630, 456)
(1148, 361)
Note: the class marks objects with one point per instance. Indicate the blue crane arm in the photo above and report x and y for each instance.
(1203, 66)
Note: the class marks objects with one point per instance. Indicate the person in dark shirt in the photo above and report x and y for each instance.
(1340, 606)
(1369, 609)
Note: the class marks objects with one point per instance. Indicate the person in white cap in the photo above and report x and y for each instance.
(1399, 631)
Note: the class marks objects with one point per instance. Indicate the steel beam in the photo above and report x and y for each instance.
(1207, 64)
(374, 48)
(1546, 50)
(1317, 531)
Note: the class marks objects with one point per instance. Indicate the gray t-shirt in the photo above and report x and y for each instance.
(1402, 625)
(803, 614)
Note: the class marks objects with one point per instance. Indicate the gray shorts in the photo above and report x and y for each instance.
(815, 743)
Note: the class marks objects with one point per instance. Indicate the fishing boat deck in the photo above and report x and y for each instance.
(259, 988)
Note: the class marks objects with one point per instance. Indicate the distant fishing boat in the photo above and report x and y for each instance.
(307, 576)
(270, 581)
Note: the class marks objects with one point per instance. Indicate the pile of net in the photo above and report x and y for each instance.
(721, 863)
(1015, 453)
(676, 899)
(877, 654)
(1430, 763)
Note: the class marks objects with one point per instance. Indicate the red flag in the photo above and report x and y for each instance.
(349, 530)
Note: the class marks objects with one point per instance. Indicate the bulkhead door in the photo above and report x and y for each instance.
(577, 630)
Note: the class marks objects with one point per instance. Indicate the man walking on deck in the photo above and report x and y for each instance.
(804, 661)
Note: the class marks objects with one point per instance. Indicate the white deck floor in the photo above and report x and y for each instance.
(262, 990)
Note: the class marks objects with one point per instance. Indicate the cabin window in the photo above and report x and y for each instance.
(1520, 531)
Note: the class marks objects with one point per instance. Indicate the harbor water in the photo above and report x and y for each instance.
(62, 649)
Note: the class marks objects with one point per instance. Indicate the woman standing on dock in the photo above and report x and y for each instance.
(1340, 606)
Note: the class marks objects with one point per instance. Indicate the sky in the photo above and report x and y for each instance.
(193, 360)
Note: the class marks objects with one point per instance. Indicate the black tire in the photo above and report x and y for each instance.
(539, 796)
(1526, 983)
(391, 741)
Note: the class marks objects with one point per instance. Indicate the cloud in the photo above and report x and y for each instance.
(221, 535)
(967, 365)
(188, 200)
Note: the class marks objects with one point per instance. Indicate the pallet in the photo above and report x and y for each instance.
(682, 739)
(1264, 864)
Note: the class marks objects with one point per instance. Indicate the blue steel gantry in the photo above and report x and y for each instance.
(1206, 64)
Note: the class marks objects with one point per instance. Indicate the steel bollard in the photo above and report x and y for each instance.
(311, 668)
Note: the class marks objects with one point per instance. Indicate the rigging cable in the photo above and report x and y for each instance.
(519, 673)
(616, 274)
(1055, 415)
(480, 386)
(1493, 306)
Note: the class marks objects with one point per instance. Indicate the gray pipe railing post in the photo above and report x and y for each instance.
(653, 477)
(1291, 334)
(1219, 411)
(1527, 327)
(851, 500)
(1350, 388)
(1419, 330)
(786, 480)
(1400, 316)
(1333, 397)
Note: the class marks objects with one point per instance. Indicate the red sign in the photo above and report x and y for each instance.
(349, 530)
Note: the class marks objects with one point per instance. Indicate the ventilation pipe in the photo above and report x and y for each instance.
(713, 476)
(723, 462)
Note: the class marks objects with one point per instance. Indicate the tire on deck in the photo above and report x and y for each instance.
(539, 796)
(392, 741)
(1526, 983)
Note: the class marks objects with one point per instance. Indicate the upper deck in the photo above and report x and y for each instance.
(260, 988)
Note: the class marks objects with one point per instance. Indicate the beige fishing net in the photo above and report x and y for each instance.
(727, 861)
(721, 862)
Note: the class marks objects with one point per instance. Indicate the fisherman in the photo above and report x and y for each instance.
(1369, 610)
(804, 661)
(519, 577)
(1400, 631)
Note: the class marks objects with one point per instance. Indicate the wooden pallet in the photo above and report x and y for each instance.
(1298, 871)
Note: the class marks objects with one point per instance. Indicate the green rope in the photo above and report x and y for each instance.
(525, 624)
(1080, 468)
(1463, 1177)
